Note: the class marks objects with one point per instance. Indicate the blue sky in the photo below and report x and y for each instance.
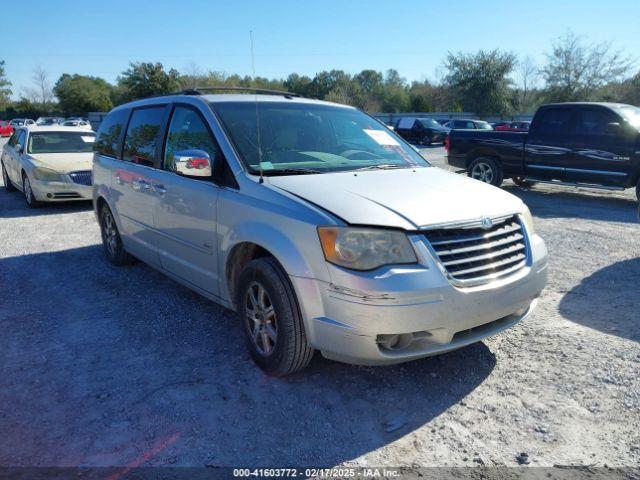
(412, 36)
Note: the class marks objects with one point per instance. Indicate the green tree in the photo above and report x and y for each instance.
(145, 80)
(576, 71)
(5, 90)
(78, 94)
(481, 81)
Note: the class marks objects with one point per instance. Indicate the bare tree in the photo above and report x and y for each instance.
(528, 74)
(42, 87)
(576, 70)
(192, 75)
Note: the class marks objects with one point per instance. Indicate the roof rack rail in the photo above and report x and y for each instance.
(201, 90)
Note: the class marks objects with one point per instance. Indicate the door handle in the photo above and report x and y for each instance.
(118, 179)
(159, 189)
(140, 184)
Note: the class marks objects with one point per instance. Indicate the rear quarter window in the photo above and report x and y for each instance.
(109, 136)
(143, 135)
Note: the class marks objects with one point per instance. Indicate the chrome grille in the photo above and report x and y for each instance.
(474, 255)
(82, 177)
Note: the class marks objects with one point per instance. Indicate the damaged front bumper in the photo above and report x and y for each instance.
(401, 313)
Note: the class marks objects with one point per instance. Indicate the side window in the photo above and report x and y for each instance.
(595, 122)
(109, 134)
(554, 121)
(469, 125)
(13, 140)
(142, 135)
(187, 131)
(22, 137)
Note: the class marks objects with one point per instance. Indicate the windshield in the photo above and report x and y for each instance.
(429, 122)
(631, 114)
(60, 142)
(483, 126)
(47, 121)
(311, 138)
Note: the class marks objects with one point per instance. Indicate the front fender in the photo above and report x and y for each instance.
(301, 257)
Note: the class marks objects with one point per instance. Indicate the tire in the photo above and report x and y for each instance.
(111, 240)
(29, 196)
(486, 170)
(522, 183)
(9, 187)
(274, 329)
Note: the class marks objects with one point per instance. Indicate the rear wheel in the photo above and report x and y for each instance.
(111, 239)
(5, 179)
(28, 192)
(274, 330)
(522, 183)
(486, 170)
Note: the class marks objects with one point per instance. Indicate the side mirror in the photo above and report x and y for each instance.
(613, 128)
(19, 148)
(192, 163)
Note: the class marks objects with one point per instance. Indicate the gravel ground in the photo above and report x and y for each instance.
(103, 366)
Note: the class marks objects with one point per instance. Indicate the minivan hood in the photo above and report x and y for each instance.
(406, 198)
(63, 162)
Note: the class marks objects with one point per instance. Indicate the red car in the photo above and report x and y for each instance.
(6, 130)
(513, 127)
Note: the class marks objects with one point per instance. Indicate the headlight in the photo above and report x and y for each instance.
(365, 248)
(47, 175)
(528, 221)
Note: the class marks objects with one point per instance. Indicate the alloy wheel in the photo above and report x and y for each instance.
(483, 172)
(110, 233)
(26, 186)
(261, 318)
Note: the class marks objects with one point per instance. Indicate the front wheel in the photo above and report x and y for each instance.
(28, 193)
(7, 182)
(486, 170)
(273, 326)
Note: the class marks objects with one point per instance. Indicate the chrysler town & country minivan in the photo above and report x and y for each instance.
(322, 228)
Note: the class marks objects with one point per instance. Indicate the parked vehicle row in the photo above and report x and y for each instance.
(6, 127)
(579, 144)
(421, 131)
(512, 126)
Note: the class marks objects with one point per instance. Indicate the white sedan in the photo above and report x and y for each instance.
(49, 164)
(77, 123)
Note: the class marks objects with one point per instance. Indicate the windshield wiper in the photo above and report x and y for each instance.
(290, 171)
(382, 166)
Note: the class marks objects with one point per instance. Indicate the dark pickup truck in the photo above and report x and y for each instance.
(579, 144)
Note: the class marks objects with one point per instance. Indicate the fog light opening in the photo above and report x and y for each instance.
(49, 195)
(395, 341)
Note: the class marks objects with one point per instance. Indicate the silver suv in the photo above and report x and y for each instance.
(318, 225)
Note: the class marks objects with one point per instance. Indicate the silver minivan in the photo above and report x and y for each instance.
(318, 225)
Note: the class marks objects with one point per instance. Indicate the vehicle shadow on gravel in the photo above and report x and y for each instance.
(112, 366)
(552, 203)
(13, 205)
(619, 286)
